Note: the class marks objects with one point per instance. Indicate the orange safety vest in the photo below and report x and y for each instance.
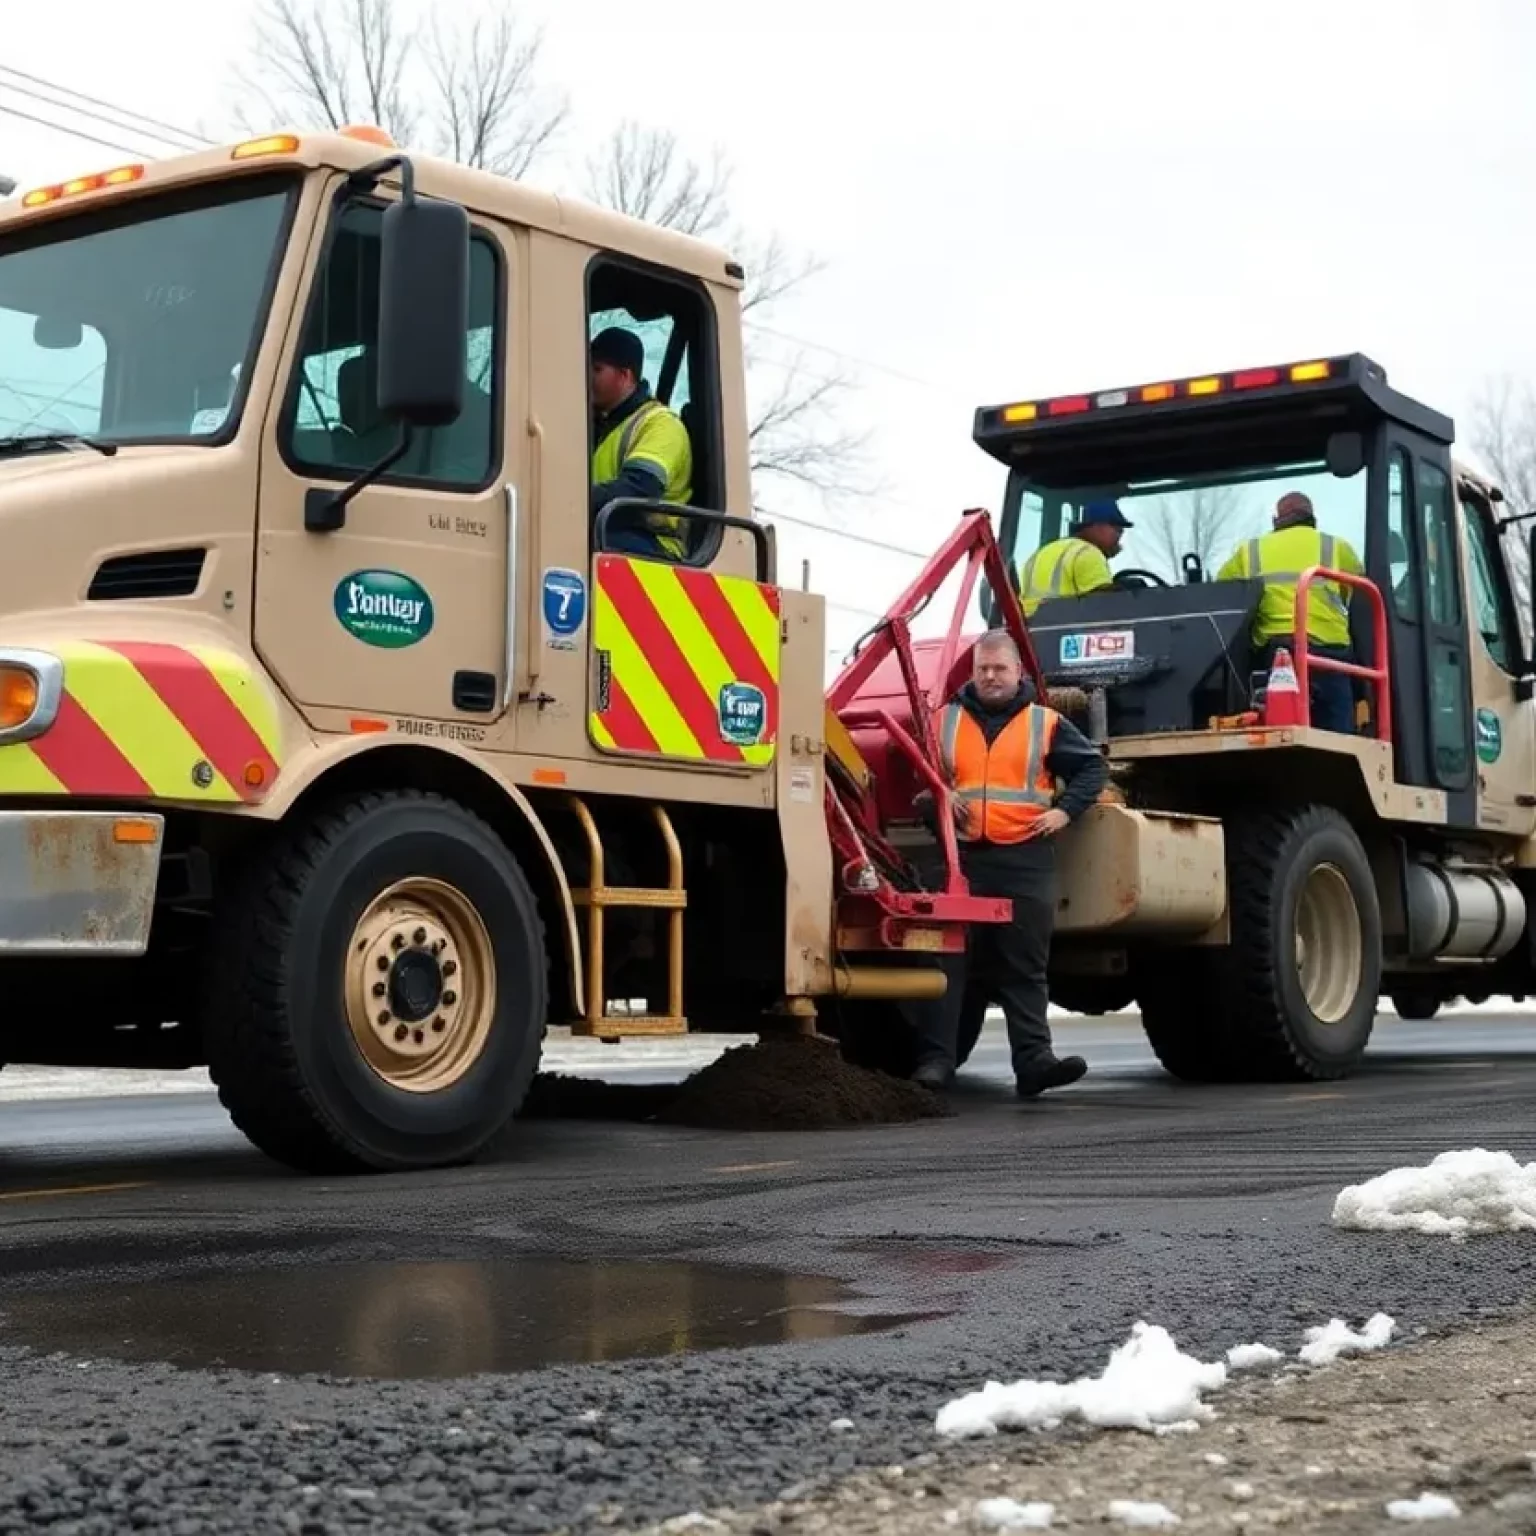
(1006, 787)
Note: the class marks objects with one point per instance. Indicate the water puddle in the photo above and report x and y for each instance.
(417, 1320)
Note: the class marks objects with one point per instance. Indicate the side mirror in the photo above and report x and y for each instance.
(1345, 455)
(423, 312)
(55, 333)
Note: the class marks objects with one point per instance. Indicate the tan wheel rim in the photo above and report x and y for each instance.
(1330, 947)
(420, 985)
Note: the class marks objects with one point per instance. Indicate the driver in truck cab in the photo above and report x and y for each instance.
(642, 450)
(1079, 563)
(1279, 557)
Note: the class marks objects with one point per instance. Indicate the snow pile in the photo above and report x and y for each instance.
(1457, 1194)
(1428, 1506)
(1147, 1516)
(1149, 1383)
(1242, 1357)
(1336, 1338)
(1010, 1515)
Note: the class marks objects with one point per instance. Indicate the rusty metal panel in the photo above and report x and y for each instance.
(1141, 872)
(77, 882)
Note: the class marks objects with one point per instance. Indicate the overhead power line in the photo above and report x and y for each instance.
(94, 116)
(101, 103)
(76, 133)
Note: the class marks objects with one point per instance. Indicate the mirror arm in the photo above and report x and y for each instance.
(326, 511)
(366, 178)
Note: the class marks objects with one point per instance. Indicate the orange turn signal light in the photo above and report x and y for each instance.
(272, 144)
(18, 697)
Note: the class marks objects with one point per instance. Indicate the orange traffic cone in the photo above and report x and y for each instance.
(1282, 698)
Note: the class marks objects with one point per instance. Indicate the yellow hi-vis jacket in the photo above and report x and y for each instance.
(1069, 567)
(1280, 558)
(653, 435)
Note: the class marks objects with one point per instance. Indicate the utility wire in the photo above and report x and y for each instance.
(97, 101)
(78, 133)
(87, 112)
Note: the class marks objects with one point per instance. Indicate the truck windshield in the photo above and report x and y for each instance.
(136, 322)
(1207, 515)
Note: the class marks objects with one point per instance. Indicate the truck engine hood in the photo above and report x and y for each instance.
(65, 512)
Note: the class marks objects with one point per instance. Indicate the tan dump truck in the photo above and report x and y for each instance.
(339, 754)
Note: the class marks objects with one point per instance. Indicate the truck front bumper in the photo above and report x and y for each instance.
(77, 882)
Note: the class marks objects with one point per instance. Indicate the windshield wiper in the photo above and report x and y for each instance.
(35, 442)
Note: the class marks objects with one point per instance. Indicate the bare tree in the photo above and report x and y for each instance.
(467, 90)
(794, 432)
(1205, 522)
(1504, 438)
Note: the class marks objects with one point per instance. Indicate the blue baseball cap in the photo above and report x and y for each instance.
(1103, 512)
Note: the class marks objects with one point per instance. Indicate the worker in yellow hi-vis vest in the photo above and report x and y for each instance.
(642, 450)
(1078, 564)
(1279, 557)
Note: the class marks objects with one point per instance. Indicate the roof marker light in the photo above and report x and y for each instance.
(1150, 394)
(1305, 373)
(1067, 405)
(1017, 413)
(1113, 397)
(272, 144)
(116, 177)
(1208, 386)
(1255, 378)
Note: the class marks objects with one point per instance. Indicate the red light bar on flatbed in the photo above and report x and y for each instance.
(1284, 376)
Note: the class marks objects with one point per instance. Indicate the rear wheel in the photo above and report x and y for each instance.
(377, 997)
(1303, 970)
(1415, 1003)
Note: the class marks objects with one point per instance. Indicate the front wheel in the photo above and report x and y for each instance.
(1303, 970)
(378, 994)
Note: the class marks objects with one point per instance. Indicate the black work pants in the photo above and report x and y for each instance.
(1004, 963)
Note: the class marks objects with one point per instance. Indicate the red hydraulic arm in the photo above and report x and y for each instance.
(874, 912)
(1380, 675)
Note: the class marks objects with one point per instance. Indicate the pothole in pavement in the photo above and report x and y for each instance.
(430, 1319)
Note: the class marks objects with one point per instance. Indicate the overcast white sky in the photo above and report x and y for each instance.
(1013, 197)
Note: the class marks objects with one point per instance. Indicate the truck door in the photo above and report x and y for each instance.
(403, 612)
(1504, 721)
(1418, 568)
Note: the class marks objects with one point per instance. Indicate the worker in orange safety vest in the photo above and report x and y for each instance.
(1003, 755)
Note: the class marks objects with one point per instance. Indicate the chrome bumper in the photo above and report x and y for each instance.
(77, 882)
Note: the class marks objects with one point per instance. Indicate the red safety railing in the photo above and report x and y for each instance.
(1379, 675)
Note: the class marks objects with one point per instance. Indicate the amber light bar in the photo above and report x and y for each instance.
(1205, 386)
(116, 177)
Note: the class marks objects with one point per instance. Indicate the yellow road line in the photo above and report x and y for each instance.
(73, 1189)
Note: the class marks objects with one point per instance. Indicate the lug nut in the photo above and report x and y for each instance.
(401, 1032)
(450, 998)
(420, 936)
(449, 967)
(418, 1037)
(383, 963)
(398, 942)
(379, 989)
(439, 1025)
(384, 1018)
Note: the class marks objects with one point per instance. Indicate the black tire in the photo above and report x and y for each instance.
(1269, 1028)
(280, 1049)
(1416, 1003)
(1179, 993)
(1093, 996)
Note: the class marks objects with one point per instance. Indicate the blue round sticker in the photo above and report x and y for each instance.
(565, 602)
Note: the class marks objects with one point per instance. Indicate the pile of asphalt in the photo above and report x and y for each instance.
(783, 1083)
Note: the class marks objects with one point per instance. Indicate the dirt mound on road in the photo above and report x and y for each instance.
(776, 1084)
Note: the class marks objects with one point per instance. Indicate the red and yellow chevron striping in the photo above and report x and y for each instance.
(687, 663)
(142, 720)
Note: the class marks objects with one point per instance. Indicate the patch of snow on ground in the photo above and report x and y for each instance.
(1010, 1515)
(1148, 1382)
(1457, 1194)
(1147, 1516)
(1428, 1506)
(1242, 1357)
(1336, 1338)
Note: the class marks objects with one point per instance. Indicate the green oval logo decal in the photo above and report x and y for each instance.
(385, 608)
(1490, 736)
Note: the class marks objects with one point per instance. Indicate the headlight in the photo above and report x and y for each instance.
(31, 685)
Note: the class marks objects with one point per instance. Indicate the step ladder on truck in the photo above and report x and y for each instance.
(343, 754)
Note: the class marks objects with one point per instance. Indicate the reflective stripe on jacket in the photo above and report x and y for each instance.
(1069, 567)
(652, 435)
(1006, 787)
(1280, 558)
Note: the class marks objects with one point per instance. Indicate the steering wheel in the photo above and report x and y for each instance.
(1144, 578)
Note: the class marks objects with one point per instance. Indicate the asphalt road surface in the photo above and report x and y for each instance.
(674, 1319)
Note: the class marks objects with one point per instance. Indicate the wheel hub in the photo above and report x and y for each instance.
(420, 990)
